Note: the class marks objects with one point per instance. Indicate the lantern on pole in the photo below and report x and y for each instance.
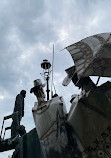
(46, 74)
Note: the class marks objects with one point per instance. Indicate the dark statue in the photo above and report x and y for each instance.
(19, 104)
(18, 113)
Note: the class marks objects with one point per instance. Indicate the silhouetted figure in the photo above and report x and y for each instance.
(19, 104)
(18, 113)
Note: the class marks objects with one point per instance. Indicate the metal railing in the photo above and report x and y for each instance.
(7, 128)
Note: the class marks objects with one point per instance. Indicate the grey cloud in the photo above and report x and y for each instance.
(27, 31)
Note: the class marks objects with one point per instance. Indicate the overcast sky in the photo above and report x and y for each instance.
(28, 30)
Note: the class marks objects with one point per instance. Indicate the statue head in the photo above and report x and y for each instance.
(23, 93)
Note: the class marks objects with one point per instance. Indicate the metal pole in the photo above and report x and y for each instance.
(47, 79)
(52, 71)
(2, 128)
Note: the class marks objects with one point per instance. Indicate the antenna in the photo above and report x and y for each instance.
(52, 84)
